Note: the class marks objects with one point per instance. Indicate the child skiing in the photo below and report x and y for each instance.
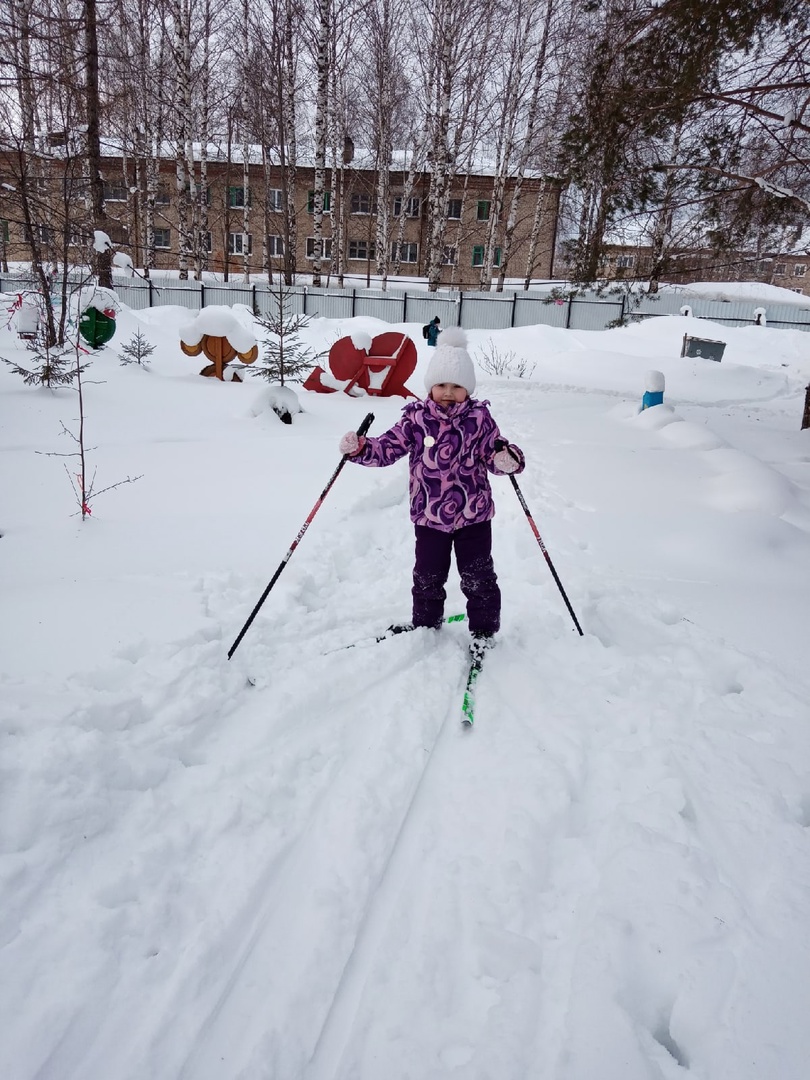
(450, 438)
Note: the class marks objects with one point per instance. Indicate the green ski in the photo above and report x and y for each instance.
(477, 652)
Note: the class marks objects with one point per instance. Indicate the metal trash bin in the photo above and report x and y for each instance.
(704, 347)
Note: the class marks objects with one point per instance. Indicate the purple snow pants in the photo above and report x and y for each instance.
(479, 584)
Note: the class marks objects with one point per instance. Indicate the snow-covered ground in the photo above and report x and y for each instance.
(321, 875)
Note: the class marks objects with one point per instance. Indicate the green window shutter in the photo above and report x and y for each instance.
(327, 202)
(496, 258)
(478, 255)
(483, 209)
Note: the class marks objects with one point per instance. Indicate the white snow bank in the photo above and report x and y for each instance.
(743, 483)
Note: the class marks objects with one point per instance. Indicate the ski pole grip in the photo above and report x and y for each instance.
(369, 420)
(501, 445)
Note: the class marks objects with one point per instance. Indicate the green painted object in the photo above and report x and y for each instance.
(97, 327)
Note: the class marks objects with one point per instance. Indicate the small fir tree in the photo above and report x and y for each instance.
(137, 350)
(51, 365)
(286, 358)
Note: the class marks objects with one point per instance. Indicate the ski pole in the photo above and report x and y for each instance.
(500, 445)
(360, 431)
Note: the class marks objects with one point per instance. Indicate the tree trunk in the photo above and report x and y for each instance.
(102, 259)
(321, 109)
(528, 147)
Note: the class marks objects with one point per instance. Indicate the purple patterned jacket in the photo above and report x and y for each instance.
(450, 452)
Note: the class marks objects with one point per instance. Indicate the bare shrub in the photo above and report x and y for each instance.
(495, 362)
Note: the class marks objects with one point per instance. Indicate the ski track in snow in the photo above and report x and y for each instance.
(379, 904)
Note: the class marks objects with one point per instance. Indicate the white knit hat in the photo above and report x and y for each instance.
(451, 363)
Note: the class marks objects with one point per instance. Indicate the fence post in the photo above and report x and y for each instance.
(354, 301)
(405, 307)
(514, 305)
(202, 295)
(621, 312)
(806, 417)
(568, 313)
(150, 292)
(305, 300)
(460, 304)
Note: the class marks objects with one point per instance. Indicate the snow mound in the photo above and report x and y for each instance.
(690, 436)
(743, 483)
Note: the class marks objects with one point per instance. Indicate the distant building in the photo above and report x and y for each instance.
(236, 224)
(789, 270)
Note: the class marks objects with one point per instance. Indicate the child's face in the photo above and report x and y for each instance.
(448, 393)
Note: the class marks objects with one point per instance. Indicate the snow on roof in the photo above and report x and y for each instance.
(363, 159)
(220, 321)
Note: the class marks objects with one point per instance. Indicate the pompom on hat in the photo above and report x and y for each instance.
(451, 363)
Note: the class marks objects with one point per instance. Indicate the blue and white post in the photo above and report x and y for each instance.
(654, 392)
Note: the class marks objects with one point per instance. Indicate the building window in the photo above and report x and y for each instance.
(483, 209)
(327, 202)
(275, 200)
(326, 248)
(408, 253)
(413, 207)
(363, 204)
(119, 234)
(240, 243)
(780, 269)
(800, 269)
(625, 262)
(454, 209)
(361, 250)
(450, 255)
(275, 246)
(80, 237)
(162, 196)
(163, 238)
(478, 255)
(236, 198)
(115, 191)
(42, 233)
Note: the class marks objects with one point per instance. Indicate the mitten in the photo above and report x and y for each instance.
(351, 444)
(505, 463)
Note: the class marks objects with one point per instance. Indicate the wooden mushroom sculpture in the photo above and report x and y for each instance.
(220, 336)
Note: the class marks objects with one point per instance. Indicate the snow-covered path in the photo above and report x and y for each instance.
(322, 876)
